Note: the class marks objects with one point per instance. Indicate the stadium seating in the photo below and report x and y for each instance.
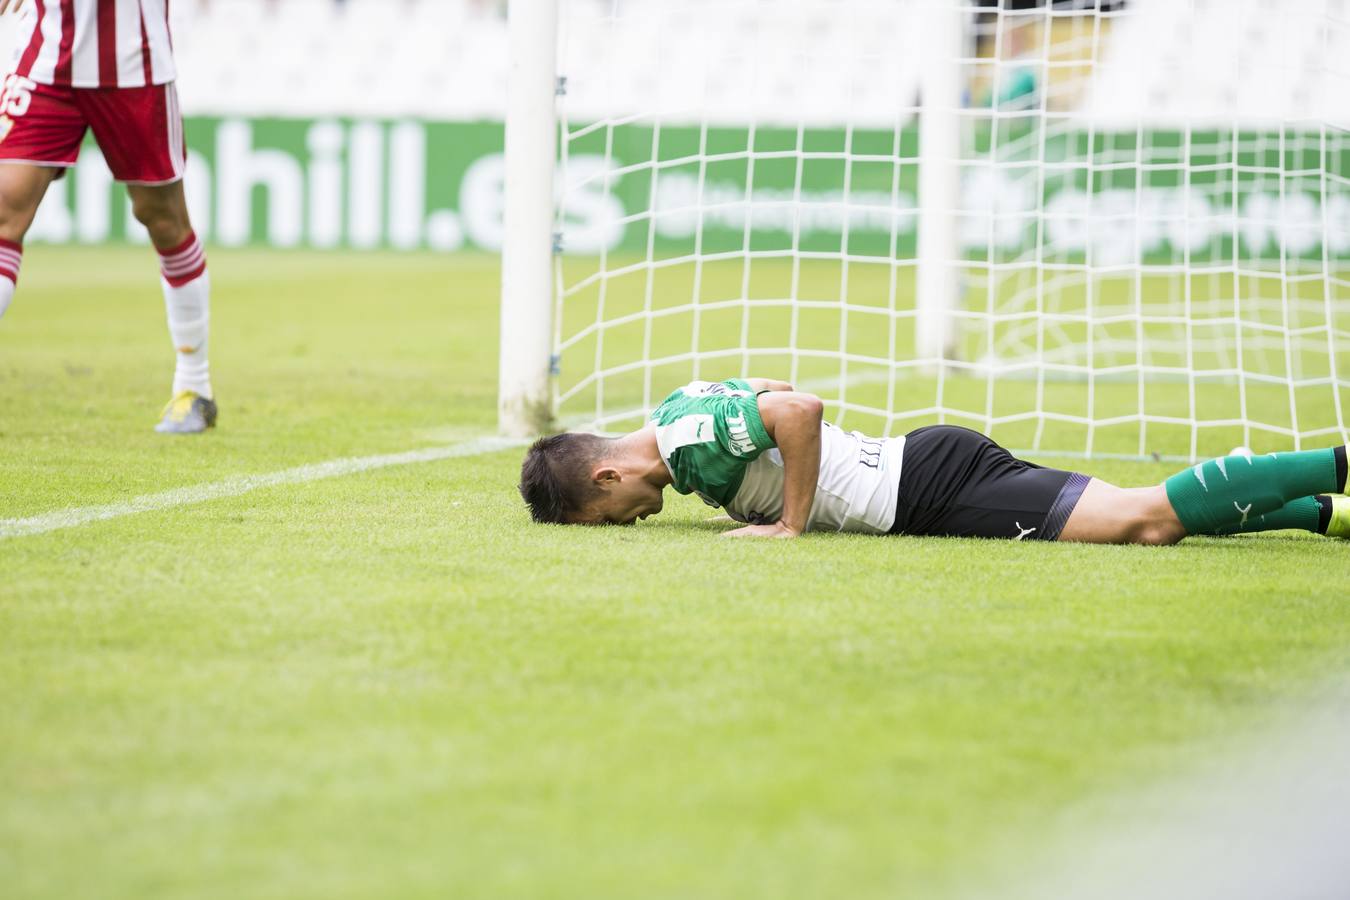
(446, 59)
(1234, 60)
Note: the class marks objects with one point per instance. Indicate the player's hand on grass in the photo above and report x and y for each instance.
(776, 530)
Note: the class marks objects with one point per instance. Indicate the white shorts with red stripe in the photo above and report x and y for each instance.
(139, 130)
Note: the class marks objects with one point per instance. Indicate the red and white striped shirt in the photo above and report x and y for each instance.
(96, 43)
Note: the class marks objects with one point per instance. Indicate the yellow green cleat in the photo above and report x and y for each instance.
(1339, 526)
(187, 413)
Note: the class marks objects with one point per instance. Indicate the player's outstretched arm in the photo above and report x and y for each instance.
(792, 420)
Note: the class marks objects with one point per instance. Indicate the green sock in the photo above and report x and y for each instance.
(1305, 514)
(1225, 494)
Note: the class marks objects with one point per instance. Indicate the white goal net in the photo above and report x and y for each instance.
(1097, 227)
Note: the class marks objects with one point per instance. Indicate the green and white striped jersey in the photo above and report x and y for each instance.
(714, 443)
(708, 432)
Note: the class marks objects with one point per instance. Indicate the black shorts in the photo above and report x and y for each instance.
(954, 481)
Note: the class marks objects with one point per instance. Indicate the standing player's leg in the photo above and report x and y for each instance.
(22, 187)
(140, 132)
(162, 209)
(40, 133)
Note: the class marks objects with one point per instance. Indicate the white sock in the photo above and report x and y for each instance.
(6, 293)
(187, 299)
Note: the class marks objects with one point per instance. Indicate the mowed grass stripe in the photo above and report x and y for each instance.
(243, 484)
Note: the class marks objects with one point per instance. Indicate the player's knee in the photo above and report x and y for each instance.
(1155, 533)
(21, 190)
(12, 227)
(14, 220)
(168, 225)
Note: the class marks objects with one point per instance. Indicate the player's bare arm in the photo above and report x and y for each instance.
(792, 420)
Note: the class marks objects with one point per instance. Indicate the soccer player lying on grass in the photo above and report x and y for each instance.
(759, 449)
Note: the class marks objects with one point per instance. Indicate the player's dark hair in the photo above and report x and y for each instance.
(555, 478)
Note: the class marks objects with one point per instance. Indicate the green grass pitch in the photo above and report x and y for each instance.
(391, 685)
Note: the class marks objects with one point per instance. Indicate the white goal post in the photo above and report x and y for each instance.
(525, 392)
(1092, 227)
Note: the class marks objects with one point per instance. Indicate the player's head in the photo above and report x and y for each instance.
(585, 479)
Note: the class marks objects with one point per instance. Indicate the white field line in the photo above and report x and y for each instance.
(243, 484)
